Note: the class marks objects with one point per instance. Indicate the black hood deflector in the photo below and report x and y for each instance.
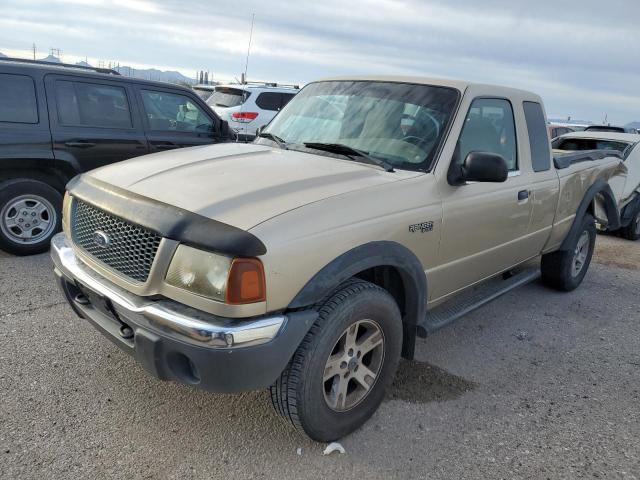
(166, 220)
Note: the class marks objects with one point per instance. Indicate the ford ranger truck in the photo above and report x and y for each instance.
(309, 261)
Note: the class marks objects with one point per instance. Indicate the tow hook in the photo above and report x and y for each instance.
(81, 299)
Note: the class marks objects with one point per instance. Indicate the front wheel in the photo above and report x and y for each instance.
(29, 216)
(339, 374)
(565, 269)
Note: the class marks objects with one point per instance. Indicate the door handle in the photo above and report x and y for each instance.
(523, 195)
(164, 145)
(80, 144)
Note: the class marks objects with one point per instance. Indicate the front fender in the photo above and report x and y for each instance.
(364, 257)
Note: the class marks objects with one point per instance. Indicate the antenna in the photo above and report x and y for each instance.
(246, 65)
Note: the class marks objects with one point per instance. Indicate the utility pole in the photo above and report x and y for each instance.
(34, 51)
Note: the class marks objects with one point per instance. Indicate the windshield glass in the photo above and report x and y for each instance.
(400, 123)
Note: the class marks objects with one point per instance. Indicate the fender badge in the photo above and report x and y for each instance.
(421, 227)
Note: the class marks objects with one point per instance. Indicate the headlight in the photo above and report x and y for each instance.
(230, 280)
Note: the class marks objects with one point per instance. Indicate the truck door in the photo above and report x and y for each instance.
(485, 225)
(93, 121)
(545, 184)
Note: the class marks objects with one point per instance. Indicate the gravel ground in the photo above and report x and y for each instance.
(537, 384)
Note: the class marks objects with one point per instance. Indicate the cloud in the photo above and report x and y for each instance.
(578, 57)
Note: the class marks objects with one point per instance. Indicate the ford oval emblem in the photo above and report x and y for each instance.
(101, 239)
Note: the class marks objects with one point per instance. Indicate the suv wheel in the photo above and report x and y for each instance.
(565, 269)
(29, 216)
(338, 376)
(632, 231)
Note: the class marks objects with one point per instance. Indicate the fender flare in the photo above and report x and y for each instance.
(611, 207)
(364, 257)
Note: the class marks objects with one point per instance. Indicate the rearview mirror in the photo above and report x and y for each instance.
(484, 167)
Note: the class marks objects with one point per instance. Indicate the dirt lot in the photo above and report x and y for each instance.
(537, 384)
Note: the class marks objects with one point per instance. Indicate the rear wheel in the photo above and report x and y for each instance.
(339, 374)
(632, 231)
(29, 216)
(565, 269)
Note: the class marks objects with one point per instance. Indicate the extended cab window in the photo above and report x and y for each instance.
(17, 99)
(490, 127)
(92, 105)
(174, 112)
(538, 137)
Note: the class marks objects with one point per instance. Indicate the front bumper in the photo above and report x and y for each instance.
(176, 342)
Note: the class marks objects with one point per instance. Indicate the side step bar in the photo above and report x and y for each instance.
(466, 302)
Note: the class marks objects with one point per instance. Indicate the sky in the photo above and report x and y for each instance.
(582, 56)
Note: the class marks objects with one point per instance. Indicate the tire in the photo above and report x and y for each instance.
(565, 269)
(304, 397)
(632, 231)
(25, 202)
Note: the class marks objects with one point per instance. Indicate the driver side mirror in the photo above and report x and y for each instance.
(480, 167)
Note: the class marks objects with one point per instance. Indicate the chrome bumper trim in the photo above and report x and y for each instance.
(169, 318)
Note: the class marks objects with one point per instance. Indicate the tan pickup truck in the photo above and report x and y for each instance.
(309, 261)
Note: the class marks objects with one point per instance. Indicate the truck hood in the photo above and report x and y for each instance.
(242, 184)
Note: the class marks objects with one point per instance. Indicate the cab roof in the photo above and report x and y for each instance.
(460, 85)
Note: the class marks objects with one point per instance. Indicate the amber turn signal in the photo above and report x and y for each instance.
(246, 282)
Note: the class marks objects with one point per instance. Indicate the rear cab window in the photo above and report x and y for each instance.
(18, 99)
(84, 104)
(228, 97)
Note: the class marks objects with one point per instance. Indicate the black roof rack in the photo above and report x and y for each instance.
(271, 84)
(64, 65)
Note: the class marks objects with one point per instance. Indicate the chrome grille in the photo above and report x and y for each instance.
(127, 248)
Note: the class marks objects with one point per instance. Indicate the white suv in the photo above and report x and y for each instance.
(247, 107)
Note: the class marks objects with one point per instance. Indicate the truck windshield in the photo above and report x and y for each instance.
(402, 124)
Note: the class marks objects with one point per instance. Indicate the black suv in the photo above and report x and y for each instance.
(60, 120)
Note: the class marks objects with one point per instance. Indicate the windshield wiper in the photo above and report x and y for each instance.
(350, 152)
(274, 138)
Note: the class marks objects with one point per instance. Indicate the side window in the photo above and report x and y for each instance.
(286, 97)
(175, 113)
(538, 138)
(92, 105)
(17, 99)
(269, 101)
(490, 127)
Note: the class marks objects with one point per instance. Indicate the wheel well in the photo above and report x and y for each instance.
(390, 279)
(50, 176)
